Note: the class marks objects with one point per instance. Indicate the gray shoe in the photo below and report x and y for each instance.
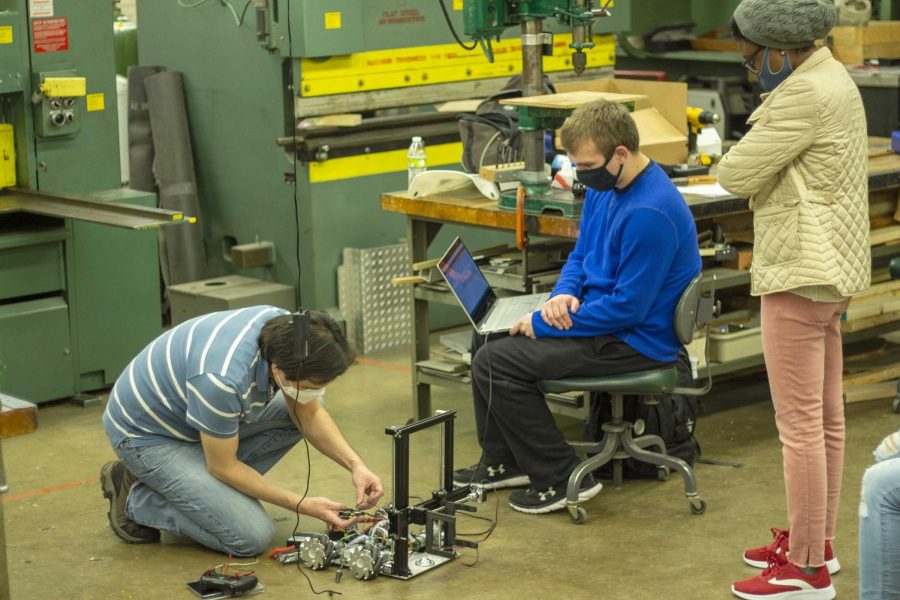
(115, 481)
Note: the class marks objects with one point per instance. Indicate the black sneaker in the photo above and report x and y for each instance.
(553, 498)
(116, 481)
(491, 477)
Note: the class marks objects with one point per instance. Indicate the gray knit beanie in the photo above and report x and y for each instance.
(784, 24)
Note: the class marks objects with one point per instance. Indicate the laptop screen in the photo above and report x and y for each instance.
(465, 278)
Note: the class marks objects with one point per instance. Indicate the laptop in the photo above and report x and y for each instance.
(485, 310)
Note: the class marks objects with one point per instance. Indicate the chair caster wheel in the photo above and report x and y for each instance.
(895, 405)
(662, 473)
(578, 515)
(698, 506)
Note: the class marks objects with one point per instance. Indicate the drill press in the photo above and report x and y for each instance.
(484, 21)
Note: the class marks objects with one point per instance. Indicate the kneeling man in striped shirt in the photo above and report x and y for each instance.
(202, 413)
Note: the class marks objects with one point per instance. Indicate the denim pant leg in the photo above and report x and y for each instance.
(177, 493)
(879, 532)
(269, 437)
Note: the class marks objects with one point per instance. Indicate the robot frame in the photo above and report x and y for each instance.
(390, 546)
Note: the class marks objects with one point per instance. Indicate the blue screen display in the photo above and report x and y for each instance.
(465, 278)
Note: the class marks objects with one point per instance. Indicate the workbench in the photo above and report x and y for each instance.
(426, 215)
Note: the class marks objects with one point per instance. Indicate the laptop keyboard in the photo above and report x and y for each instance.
(511, 310)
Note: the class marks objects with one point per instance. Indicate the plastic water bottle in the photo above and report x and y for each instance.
(415, 158)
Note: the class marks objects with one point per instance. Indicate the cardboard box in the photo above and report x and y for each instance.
(195, 298)
(661, 115)
(853, 45)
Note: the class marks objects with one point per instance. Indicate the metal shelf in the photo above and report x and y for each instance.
(106, 213)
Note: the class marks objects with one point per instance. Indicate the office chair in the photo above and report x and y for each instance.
(695, 309)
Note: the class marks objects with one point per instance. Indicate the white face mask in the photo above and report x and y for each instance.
(304, 396)
(301, 396)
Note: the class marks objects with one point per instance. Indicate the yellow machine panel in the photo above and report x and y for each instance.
(7, 156)
(443, 63)
(64, 87)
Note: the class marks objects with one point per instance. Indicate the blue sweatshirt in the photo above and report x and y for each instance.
(635, 254)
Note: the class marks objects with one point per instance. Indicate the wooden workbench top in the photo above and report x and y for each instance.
(468, 207)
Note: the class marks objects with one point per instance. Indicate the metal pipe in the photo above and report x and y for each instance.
(447, 451)
(4, 572)
(401, 504)
(579, 37)
(532, 85)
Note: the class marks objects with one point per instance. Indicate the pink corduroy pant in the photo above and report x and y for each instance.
(804, 359)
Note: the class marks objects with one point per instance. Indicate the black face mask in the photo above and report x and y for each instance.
(599, 179)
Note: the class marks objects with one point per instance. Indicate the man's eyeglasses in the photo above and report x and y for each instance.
(749, 62)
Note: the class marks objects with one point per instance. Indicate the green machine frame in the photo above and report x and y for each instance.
(78, 299)
(384, 59)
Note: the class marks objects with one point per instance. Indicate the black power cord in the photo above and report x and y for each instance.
(302, 498)
(453, 29)
(296, 200)
(244, 12)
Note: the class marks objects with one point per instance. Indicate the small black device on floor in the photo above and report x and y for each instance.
(213, 584)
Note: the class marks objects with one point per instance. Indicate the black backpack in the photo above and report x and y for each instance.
(673, 418)
(491, 135)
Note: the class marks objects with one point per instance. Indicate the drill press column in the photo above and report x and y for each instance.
(532, 85)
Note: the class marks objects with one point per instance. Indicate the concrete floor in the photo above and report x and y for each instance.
(640, 540)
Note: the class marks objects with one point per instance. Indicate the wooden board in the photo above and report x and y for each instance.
(468, 207)
(883, 373)
(879, 146)
(17, 417)
(884, 235)
(873, 391)
(743, 260)
(501, 173)
(571, 100)
(878, 289)
(470, 106)
(866, 323)
(853, 45)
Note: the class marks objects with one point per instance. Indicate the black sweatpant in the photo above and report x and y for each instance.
(513, 422)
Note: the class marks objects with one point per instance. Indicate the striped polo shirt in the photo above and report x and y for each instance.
(203, 375)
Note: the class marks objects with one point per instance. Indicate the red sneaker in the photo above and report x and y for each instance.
(758, 557)
(785, 581)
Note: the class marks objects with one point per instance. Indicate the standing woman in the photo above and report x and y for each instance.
(804, 167)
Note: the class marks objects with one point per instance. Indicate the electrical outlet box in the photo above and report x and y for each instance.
(256, 254)
(61, 106)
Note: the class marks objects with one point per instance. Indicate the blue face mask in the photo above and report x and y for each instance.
(768, 80)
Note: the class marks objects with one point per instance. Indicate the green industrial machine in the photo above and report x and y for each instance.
(488, 19)
(79, 291)
(250, 81)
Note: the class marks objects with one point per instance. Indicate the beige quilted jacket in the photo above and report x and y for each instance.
(804, 166)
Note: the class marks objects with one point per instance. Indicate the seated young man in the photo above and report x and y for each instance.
(202, 413)
(610, 312)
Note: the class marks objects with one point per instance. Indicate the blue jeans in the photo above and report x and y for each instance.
(879, 532)
(176, 493)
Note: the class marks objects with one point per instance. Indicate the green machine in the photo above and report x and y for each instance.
(486, 20)
(254, 71)
(79, 288)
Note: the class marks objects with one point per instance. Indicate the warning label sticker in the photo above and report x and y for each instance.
(50, 35)
(41, 8)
